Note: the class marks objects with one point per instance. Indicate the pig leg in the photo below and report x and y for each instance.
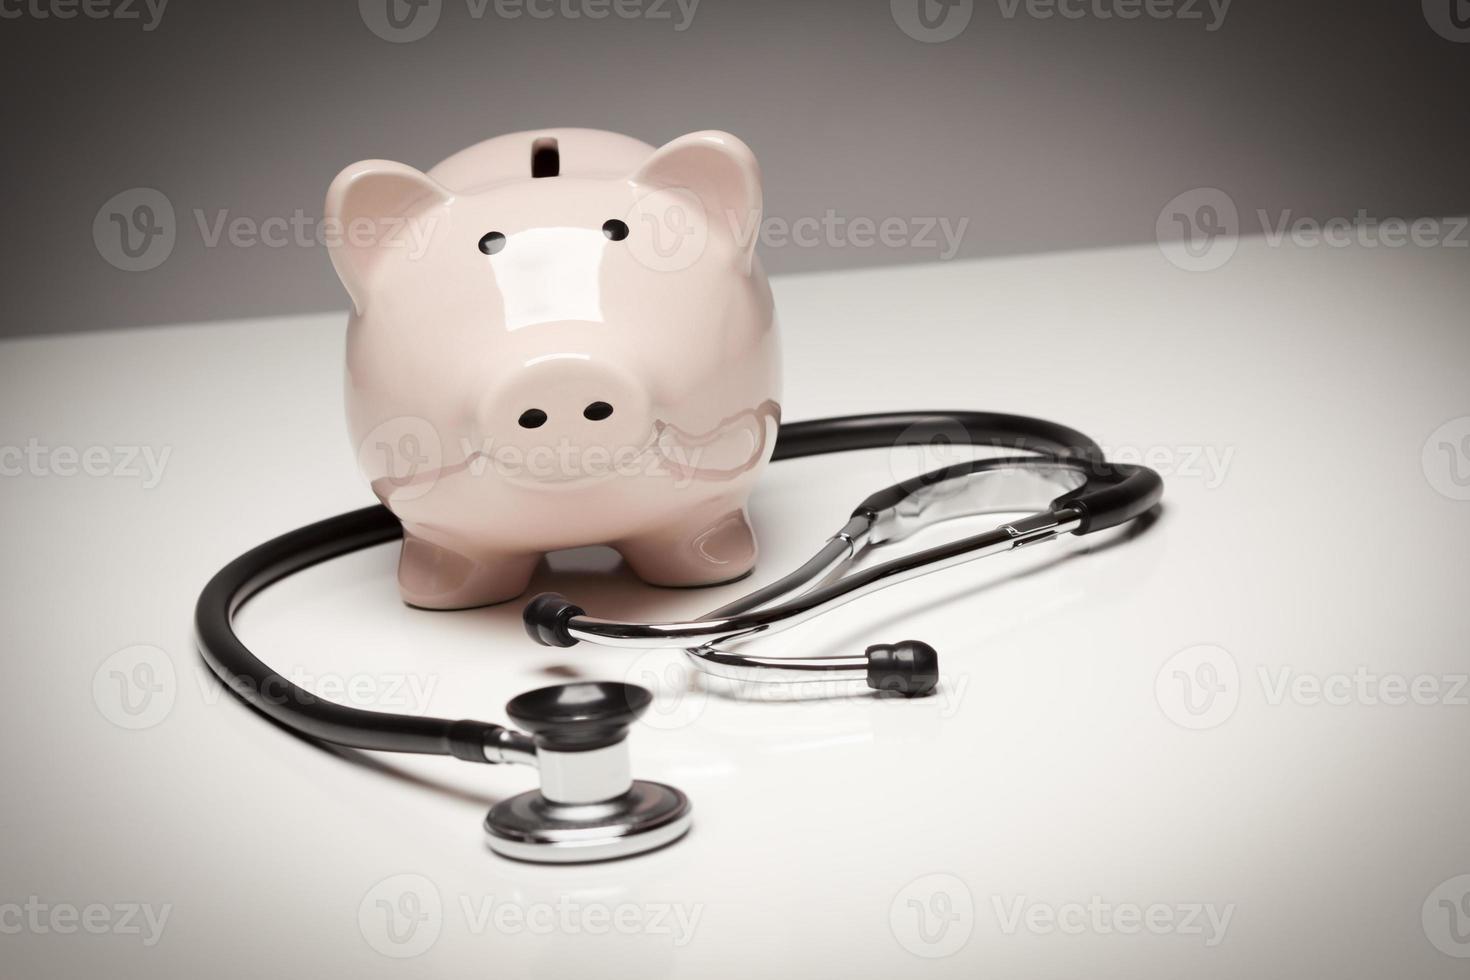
(432, 576)
(704, 550)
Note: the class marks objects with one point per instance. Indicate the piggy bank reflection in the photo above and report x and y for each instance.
(559, 338)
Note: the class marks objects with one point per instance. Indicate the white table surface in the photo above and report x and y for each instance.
(1288, 398)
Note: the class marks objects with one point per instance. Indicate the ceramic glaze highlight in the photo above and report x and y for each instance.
(545, 362)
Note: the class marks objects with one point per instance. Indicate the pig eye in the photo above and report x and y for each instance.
(615, 229)
(492, 243)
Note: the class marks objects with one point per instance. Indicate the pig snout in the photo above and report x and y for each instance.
(567, 419)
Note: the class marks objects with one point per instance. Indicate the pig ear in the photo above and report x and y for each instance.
(365, 205)
(722, 171)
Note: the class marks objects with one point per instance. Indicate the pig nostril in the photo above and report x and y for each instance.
(532, 418)
(597, 411)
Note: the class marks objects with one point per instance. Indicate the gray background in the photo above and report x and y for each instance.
(1045, 134)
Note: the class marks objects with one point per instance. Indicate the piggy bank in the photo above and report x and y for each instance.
(559, 338)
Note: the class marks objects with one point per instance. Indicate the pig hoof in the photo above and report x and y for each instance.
(711, 555)
(433, 577)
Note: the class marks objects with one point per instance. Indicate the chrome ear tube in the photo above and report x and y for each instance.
(1054, 489)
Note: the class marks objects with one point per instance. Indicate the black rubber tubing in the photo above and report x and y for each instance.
(1114, 493)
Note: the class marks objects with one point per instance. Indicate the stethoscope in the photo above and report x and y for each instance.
(588, 807)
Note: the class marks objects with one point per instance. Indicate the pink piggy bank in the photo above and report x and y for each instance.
(559, 338)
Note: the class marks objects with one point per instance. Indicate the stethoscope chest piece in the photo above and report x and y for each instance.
(529, 827)
(588, 808)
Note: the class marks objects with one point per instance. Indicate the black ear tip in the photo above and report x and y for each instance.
(545, 618)
(909, 667)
